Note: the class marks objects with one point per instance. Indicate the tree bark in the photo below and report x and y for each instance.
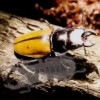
(12, 26)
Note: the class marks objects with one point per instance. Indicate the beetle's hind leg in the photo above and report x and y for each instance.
(24, 59)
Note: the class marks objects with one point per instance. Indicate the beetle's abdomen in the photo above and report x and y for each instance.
(34, 44)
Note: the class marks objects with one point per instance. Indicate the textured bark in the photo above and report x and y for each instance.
(12, 26)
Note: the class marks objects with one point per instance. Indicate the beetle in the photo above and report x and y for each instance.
(46, 42)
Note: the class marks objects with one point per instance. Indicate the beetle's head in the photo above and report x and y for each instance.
(80, 36)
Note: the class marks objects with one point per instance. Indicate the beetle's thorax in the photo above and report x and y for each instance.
(59, 40)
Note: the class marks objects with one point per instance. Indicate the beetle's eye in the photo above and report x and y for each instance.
(85, 38)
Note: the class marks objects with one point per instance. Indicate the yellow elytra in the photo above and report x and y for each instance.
(34, 44)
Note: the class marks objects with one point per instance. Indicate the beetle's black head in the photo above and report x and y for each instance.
(60, 40)
(80, 37)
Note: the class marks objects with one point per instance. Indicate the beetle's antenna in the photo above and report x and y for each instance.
(83, 23)
(85, 50)
(83, 17)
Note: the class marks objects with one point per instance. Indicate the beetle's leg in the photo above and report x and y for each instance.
(48, 24)
(33, 25)
(25, 62)
(85, 50)
(29, 61)
(28, 25)
(24, 59)
(61, 54)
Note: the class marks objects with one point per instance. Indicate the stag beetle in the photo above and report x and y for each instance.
(46, 42)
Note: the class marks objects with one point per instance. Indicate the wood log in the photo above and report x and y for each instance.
(12, 26)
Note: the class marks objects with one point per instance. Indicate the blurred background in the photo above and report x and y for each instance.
(66, 13)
